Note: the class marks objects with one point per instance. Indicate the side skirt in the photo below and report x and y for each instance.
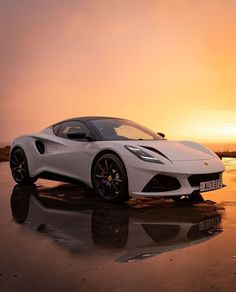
(57, 177)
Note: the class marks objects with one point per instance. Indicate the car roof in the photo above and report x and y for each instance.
(88, 118)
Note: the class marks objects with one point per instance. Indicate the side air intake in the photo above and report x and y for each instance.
(40, 147)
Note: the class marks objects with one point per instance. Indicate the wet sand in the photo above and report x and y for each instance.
(57, 237)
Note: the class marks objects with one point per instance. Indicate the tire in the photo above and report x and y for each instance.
(19, 167)
(110, 179)
(196, 197)
(193, 198)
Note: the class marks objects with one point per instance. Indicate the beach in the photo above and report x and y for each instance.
(63, 238)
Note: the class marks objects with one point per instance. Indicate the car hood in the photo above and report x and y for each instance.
(175, 151)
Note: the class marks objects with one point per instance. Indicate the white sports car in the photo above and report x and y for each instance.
(117, 157)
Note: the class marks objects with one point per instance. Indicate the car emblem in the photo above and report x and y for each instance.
(205, 163)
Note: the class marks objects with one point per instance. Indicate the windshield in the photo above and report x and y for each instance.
(118, 129)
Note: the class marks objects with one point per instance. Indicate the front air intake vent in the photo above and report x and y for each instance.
(40, 147)
(196, 179)
(162, 183)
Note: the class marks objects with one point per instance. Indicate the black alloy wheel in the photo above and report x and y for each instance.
(110, 178)
(19, 167)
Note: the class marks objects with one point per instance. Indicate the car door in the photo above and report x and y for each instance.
(72, 157)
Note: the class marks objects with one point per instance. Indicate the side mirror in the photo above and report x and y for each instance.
(76, 134)
(161, 134)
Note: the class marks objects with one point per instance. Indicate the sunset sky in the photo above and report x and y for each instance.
(170, 65)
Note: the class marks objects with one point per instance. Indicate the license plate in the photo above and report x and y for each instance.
(207, 224)
(210, 185)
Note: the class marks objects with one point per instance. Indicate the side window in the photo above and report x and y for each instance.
(56, 129)
(65, 127)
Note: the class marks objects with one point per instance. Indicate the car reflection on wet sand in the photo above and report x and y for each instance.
(77, 221)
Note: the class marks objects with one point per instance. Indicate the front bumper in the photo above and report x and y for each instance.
(185, 189)
(139, 176)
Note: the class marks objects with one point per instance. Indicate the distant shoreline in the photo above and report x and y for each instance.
(226, 154)
(4, 154)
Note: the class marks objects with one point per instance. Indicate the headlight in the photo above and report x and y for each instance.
(142, 154)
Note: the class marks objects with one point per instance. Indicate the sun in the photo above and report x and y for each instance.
(218, 133)
(229, 131)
